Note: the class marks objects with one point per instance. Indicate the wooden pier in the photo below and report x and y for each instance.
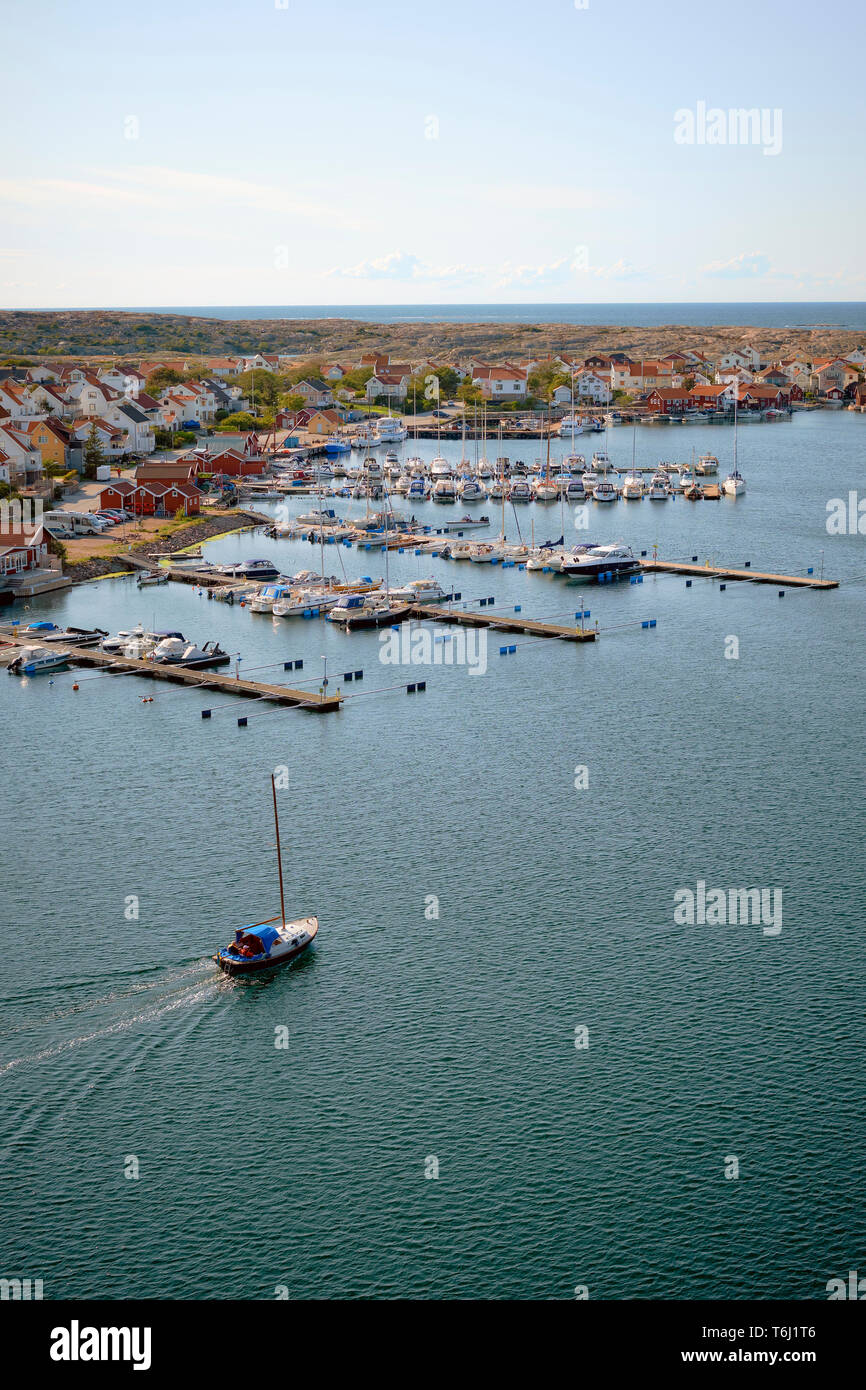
(182, 675)
(500, 623)
(800, 581)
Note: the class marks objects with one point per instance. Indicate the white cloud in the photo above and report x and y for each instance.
(747, 266)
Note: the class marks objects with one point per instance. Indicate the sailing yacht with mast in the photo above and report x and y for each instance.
(273, 942)
(735, 484)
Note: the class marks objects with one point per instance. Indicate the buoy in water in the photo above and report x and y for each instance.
(75, 686)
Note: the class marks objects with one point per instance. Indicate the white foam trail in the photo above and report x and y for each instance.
(189, 995)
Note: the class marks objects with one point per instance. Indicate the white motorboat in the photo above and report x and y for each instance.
(419, 489)
(391, 430)
(445, 490)
(659, 490)
(590, 481)
(440, 467)
(466, 523)
(632, 487)
(707, 465)
(470, 490)
(324, 517)
(601, 559)
(604, 491)
(367, 610)
(574, 463)
(296, 603)
(520, 491)
(264, 600)
(420, 591)
(36, 661)
(575, 490)
(571, 425)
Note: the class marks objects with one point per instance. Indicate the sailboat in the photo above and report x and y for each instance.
(735, 484)
(274, 942)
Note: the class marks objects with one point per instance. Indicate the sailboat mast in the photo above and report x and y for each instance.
(279, 851)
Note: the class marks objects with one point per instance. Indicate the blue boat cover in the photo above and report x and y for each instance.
(267, 936)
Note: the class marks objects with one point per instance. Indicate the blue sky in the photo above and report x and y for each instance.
(327, 153)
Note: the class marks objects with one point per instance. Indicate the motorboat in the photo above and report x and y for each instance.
(251, 569)
(470, 490)
(420, 591)
(574, 463)
(174, 651)
(391, 430)
(632, 487)
(300, 603)
(73, 636)
(419, 489)
(707, 465)
(264, 600)
(604, 491)
(144, 581)
(367, 610)
(659, 488)
(601, 462)
(571, 425)
(466, 523)
(520, 491)
(546, 490)
(590, 481)
(440, 467)
(444, 490)
(338, 444)
(574, 490)
(320, 517)
(601, 559)
(36, 660)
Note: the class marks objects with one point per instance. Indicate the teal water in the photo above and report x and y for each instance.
(762, 314)
(454, 1038)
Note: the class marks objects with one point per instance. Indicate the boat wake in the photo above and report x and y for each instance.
(174, 996)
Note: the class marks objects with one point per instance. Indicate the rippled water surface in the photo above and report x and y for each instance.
(413, 1039)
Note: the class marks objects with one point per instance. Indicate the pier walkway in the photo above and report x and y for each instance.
(802, 581)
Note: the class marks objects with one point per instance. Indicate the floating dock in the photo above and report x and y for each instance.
(205, 680)
(496, 623)
(802, 581)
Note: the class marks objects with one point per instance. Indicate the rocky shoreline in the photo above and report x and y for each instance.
(98, 566)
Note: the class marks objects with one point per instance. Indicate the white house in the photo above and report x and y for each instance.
(125, 415)
(592, 386)
(391, 384)
(24, 459)
(89, 396)
(500, 383)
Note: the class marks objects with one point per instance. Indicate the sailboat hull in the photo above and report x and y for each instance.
(237, 965)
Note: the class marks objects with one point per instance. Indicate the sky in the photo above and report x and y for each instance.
(255, 152)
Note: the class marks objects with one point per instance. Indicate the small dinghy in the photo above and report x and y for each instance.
(263, 945)
(156, 578)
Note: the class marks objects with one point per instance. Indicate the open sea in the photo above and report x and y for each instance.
(478, 910)
(781, 315)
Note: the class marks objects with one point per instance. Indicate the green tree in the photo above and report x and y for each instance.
(161, 378)
(94, 455)
(260, 386)
(294, 401)
(470, 394)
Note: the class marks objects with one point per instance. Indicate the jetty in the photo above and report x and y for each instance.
(183, 675)
(502, 623)
(801, 581)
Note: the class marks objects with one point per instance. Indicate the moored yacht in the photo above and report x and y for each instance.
(632, 487)
(604, 491)
(659, 490)
(601, 559)
(734, 484)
